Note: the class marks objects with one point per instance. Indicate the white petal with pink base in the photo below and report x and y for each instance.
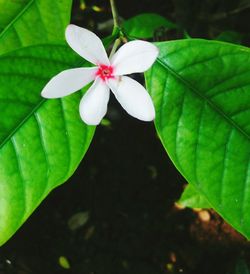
(133, 57)
(94, 103)
(69, 81)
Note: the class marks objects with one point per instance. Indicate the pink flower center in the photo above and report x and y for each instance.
(105, 72)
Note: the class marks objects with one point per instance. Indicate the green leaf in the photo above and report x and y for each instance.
(25, 23)
(230, 36)
(201, 91)
(8, 10)
(144, 25)
(192, 198)
(41, 141)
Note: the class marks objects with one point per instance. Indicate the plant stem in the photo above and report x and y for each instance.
(114, 14)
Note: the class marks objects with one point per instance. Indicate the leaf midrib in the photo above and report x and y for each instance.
(23, 121)
(203, 97)
(26, 7)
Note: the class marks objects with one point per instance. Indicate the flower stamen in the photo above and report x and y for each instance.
(105, 72)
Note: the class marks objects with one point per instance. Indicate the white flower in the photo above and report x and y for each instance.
(135, 56)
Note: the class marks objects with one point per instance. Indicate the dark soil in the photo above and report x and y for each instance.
(129, 187)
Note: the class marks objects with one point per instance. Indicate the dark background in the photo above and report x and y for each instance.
(128, 184)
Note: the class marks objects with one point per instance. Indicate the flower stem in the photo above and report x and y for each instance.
(115, 46)
(115, 15)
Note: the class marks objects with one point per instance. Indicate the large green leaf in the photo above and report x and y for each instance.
(201, 90)
(41, 141)
(144, 25)
(29, 22)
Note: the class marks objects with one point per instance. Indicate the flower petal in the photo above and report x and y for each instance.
(133, 97)
(86, 44)
(93, 105)
(134, 56)
(68, 81)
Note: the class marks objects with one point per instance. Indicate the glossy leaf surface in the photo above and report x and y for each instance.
(41, 141)
(144, 25)
(29, 22)
(201, 90)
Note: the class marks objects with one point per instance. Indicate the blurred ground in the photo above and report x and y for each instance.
(126, 186)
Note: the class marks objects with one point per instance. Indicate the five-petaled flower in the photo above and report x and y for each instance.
(133, 57)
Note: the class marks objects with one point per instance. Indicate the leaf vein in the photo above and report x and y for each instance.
(22, 184)
(43, 145)
(66, 136)
(197, 143)
(17, 17)
(225, 159)
(203, 97)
